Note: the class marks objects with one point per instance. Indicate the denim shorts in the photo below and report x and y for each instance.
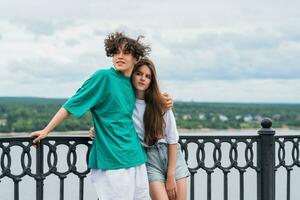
(157, 164)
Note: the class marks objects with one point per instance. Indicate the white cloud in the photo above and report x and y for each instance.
(215, 42)
(252, 90)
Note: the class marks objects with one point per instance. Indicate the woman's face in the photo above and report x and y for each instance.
(141, 78)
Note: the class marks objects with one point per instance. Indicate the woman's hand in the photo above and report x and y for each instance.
(92, 133)
(41, 134)
(171, 188)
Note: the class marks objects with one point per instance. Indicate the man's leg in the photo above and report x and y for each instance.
(141, 183)
(113, 184)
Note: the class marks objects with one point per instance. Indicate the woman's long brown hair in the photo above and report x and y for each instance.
(154, 123)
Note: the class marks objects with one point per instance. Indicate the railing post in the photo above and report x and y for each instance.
(266, 161)
(39, 171)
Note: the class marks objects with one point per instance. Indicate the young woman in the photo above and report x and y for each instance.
(156, 127)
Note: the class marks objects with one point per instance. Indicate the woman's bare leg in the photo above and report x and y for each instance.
(158, 191)
(181, 189)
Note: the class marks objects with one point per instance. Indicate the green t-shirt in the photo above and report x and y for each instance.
(109, 96)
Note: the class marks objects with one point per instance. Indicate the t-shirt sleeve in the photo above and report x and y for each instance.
(171, 133)
(87, 96)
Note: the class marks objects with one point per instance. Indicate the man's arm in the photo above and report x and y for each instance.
(92, 133)
(58, 118)
(168, 100)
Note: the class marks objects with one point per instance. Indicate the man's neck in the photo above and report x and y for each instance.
(127, 72)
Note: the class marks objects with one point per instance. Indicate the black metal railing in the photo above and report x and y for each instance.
(287, 158)
(42, 160)
(262, 154)
(218, 159)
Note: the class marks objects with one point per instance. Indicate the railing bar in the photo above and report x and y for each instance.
(254, 137)
(288, 188)
(61, 188)
(81, 188)
(81, 137)
(241, 185)
(39, 171)
(16, 189)
(225, 185)
(209, 185)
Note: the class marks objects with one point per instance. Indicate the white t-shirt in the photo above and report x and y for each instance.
(170, 131)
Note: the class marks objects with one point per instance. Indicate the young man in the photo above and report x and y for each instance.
(116, 158)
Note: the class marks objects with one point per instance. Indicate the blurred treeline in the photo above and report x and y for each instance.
(19, 114)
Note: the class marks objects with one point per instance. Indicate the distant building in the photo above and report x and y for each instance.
(276, 117)
(201, 116)
(258, 118)
(3, 122)
(238, 117)
(213, 119)
(248, 118)
(223, 118)
(186, 117)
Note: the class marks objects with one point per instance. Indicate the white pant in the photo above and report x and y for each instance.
(121, 184)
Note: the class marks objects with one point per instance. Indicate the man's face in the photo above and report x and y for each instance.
(124, 61)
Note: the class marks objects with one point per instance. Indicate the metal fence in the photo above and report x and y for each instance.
(258, 153)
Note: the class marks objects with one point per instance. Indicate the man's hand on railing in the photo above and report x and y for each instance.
(58, 118)
(41, 134)
(92, 133)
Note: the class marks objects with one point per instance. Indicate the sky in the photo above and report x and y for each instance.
(207, 51)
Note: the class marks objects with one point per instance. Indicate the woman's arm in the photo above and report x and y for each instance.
(171, 181)
(171, 135)
(172, 150)
(58, 118)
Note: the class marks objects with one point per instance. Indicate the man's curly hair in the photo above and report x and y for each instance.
(116, 40)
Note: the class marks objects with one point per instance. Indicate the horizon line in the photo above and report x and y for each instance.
(177, 100)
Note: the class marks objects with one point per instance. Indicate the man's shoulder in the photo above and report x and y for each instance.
(102, 75)
(103, 72)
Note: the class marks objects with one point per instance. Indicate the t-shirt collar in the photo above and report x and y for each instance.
(139, 101)
(119, 74)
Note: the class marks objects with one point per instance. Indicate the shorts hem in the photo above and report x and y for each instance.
(159, 180)
(164, 180)
(181, 177)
